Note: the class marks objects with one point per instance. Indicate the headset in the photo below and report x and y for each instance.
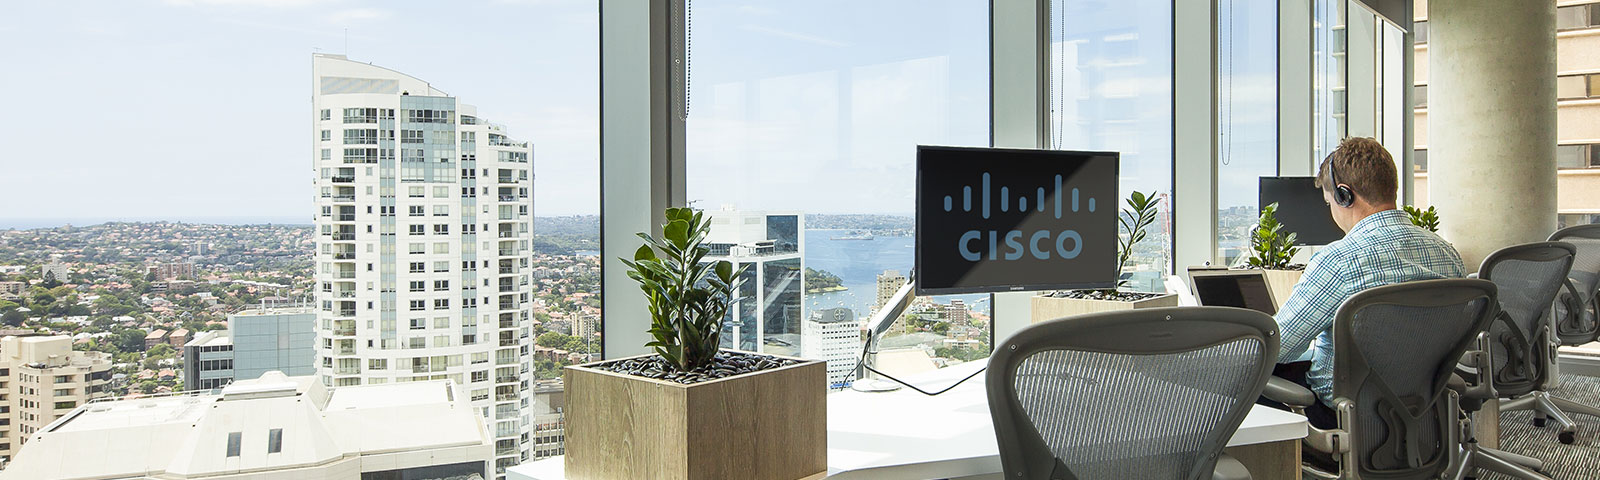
(1342, 196)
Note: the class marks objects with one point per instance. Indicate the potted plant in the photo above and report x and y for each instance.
(1428, 219)
(1272, 250)
(1141, 211)
(675, 413)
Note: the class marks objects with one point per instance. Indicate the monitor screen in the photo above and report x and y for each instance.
(1301, 209)
(1236, 289)
(995, 220)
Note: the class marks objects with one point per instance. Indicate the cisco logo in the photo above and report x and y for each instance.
(1041, 244)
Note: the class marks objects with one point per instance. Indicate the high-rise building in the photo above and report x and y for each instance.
(549, 420)
(765, 315)
(956, 312)
(1577, 114)
(424, 219)
(272, 427)
(889, 282)
(834, 335)
(255, 342)
(55, 270)
(42, 379)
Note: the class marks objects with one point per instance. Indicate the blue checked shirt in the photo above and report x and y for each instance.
(1382, 249)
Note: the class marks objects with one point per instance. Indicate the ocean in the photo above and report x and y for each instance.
(858, 263)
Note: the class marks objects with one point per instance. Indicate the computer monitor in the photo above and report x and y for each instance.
(1232, 288)
(1301, 209)
(996, 220)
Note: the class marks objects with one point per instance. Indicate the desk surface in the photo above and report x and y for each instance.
(908, 435)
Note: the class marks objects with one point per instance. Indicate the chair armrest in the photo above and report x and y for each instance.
(1333, 441)
(1229, 468)
(1288, 393)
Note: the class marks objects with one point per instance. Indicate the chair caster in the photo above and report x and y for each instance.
(1538, 421)
(1567, 437)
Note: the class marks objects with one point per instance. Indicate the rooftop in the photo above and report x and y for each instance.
(187, 434)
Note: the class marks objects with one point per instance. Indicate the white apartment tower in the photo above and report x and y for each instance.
(425, 215)
(833, 335)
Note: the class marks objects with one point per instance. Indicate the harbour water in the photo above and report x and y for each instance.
(858, 262)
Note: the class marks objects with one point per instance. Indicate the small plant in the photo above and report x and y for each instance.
(688, 297)
(1273, 247)
(1141, 212)
(1428, 219)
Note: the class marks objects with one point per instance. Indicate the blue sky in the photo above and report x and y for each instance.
(144, 109)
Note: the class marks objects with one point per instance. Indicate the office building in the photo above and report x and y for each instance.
(42, 379)
(889, 282)
(255, 342)
(272, 427)
(12, 288)
(1577, 114)
(833, 335)
(549, 420)
(765, 316)
(424, 219)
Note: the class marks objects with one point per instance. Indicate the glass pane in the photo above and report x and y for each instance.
(1419, 32)
(1571, 86)
(1248, 90)
(1419, 159)
(1419, 96)
(1111, 89)
(1328, 44)
(801, 138)
(1572, 17)
(1594, 85)
(1572, 156)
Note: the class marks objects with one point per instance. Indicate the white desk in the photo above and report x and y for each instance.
(908, 435)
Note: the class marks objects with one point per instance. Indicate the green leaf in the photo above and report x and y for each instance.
(644, 253)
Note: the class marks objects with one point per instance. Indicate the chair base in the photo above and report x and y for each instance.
(1546, 406)
(1505, 463)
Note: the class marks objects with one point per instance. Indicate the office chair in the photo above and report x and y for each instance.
(1573, 322)
(1150, 393)
(1396, 348)
(1510, 359)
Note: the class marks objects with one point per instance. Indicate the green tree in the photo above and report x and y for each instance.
(129, 340)
(148, 386)
(553, 340)
(12, 318)
(161, 351)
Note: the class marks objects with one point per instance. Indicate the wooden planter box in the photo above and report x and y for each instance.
(1281, 282)
(1051, 308)
(767, 425)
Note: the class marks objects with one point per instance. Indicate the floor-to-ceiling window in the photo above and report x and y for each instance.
(1111, 89)
(802, 126)
(1247, 85)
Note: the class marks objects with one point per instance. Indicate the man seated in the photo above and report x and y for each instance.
(1380, 247)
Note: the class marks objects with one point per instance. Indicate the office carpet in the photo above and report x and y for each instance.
(1579, 461)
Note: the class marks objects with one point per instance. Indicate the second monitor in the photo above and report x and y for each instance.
(1301, 209)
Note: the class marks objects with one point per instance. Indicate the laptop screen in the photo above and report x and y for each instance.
(1243, 290)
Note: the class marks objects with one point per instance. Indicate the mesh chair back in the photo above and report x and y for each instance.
(1150, 393)
(1575, 308)
(1395, 348)
(1529, 277)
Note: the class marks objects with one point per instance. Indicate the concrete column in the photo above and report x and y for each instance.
(1492, 123)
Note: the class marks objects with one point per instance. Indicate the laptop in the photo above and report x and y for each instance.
(1217, 287)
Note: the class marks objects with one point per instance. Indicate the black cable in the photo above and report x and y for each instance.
(862, 362)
